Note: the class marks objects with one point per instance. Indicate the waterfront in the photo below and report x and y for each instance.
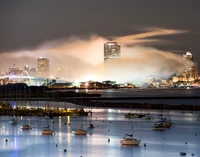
(109, 124)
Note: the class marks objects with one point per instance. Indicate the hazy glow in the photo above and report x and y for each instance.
(144, 38)
(84, 57)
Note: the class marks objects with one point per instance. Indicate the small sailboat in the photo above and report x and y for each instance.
(168, 123)
(90, 125)
(129, 140)
(13, 121)
(198, 117)
(79, 131)
(163, 122)
(159, 126)
(25, 127)
(47, 131)
(134, 115)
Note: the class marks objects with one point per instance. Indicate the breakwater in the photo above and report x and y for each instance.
(140, 104)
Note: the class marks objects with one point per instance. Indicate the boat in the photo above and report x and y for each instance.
(13, 121)
(79, 131)
(134, 115)
(164, 121)
(25, 127)
(198, 117)
(159, 126)
(129, 140)
(168, 123)
(47, 132)
(90, 125)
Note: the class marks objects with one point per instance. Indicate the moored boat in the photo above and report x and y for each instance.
(47, 132)
(159, 126)
(79, 131)
(13, 121)
(134, 115)
(129, 140)
(25, 127)
(90, 125)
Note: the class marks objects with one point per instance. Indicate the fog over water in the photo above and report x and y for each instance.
(83, 56)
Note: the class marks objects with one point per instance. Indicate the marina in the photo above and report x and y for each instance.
(104, 139)
(56, 136)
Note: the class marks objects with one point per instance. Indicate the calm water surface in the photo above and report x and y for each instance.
(109, 124)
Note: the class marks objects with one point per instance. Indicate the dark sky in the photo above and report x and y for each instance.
(28, 23)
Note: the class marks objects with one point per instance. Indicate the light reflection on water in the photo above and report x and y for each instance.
(109, 124)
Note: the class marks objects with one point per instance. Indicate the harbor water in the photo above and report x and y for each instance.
(110, 127)
(104, 139)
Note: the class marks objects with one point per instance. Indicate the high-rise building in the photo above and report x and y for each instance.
(111, 51)
(43, 67)
(191, 69)
(188, 56)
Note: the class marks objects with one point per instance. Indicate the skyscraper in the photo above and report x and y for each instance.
(191, 68)
(43, 67)
(111, 51)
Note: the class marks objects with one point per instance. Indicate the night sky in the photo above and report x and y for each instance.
(25, 24)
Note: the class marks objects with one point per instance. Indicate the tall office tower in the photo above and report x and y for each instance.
(111, 51)
(43, 67)
(191, 68)
(188, 56)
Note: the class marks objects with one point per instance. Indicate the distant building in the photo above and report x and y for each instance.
(12, 69)
(111, 51)
(15, 72)
(188, 56)
(43, 67)
(190, 72)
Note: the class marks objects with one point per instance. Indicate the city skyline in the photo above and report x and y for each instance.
(151, 37)
(111, 52)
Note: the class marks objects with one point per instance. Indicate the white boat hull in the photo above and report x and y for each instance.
(25, 127)
(133, 142)
(79, 132)
(47, 132)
